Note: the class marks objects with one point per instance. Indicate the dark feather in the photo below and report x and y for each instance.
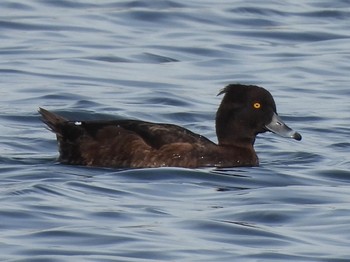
(134, 143)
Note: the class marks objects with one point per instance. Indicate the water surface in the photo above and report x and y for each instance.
(165, 61)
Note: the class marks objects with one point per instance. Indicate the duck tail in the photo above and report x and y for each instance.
(53, 121)
(68, 135)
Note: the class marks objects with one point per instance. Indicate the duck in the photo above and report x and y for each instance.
(244, 112)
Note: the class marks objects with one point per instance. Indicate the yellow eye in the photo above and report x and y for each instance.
(257, 105)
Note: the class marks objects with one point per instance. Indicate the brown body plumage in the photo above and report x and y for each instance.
(136, 144)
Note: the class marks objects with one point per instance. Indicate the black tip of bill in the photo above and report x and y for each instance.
(297, 136)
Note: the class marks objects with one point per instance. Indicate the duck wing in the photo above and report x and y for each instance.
(154, 134)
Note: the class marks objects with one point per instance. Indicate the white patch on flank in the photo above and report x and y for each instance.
(77, 123)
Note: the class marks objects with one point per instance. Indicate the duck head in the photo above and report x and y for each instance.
(245, 111)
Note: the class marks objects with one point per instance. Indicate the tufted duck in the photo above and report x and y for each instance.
(244, 112)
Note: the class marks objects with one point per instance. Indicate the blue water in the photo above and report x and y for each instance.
(165, 61)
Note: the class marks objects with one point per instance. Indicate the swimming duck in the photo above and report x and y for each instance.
(245, 111)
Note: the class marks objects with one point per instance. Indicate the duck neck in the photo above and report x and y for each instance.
(233, 141)
(232, 134)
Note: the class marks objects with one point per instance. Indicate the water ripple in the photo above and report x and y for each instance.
(165, 61)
